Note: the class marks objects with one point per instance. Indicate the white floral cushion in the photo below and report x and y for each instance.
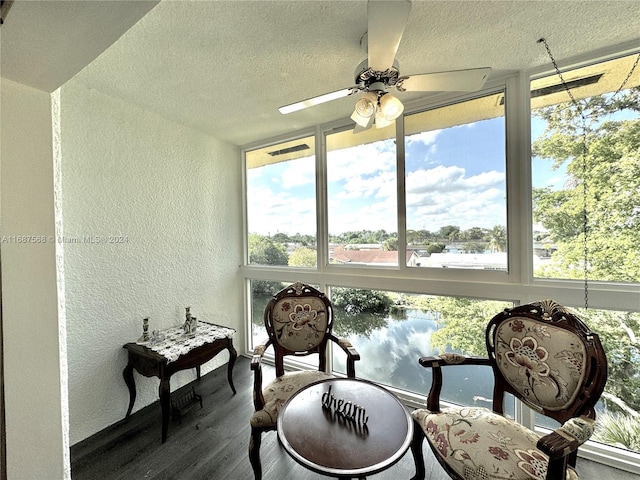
(544, 363)
(279, 391)
(300, 324)
(479, 444)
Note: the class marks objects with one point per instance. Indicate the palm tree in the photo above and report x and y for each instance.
(498, 238)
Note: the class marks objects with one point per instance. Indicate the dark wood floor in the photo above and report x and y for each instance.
(211, 443)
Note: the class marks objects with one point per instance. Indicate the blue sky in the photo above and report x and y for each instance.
(455, 176)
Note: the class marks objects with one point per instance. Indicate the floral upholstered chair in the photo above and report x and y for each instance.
(543, 355)
(298, 320)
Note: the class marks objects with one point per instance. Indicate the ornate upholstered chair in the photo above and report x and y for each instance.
(298, 320)
(543, 355)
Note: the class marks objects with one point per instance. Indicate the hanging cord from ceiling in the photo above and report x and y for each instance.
(585, 148)
(633, 67)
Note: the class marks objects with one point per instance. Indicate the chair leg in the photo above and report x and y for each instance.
(254, 452)
(416, 450)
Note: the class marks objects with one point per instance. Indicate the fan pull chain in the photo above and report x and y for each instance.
(585, 217)
(585, 223)
(633, 67)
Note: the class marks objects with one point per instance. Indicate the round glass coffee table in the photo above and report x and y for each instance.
(326, 442)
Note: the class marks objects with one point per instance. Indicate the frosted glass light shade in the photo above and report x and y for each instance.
(365, 107)
(390, 107)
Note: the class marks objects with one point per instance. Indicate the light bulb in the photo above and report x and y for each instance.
(381, 121)
(391, 107)
(364, 109)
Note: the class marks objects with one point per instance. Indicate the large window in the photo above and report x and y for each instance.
(483, 224)
(586, 213)
(455, 175)
(281, 204)
(392, 330)
(586, 159)
(362, 197)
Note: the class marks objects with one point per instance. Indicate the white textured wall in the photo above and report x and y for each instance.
(37, 440)
(173, 195)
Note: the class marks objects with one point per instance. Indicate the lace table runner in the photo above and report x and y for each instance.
(176, 342)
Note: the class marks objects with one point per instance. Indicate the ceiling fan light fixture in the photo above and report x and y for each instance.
(381, 121)
(379, 72)
(364, 109)
(390, 107)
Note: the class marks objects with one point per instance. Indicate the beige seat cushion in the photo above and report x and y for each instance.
(279, 391)
(479, 444)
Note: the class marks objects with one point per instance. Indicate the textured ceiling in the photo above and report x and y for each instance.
(224, 67)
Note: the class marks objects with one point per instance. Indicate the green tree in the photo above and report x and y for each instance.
(618, 332)
(497, 238)
(475, 247)
(474, 233)
(435, 248)
(390, 244)
(303, 257)
(463, 321)
(281, 238)
(607, 171)
(264, 251)
(353, 300)
(449, 232)
(358, 311)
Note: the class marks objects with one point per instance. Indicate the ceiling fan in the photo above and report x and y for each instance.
(376, 75)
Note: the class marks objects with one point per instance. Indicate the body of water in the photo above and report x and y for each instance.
(389, 356)
(389, 348)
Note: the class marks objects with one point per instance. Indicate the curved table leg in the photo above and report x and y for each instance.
(127, 373)
(232, 360)
(165, 404)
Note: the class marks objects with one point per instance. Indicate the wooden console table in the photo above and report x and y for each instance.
(176, 352)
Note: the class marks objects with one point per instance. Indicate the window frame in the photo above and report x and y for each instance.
(517, 285)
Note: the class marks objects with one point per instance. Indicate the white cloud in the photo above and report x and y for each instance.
(444, 196)
(272, 211)
(361, 161)
(437, 179)
(362, 194)
(425, 138)
(299, 172)
(381, 185)
(371, 216)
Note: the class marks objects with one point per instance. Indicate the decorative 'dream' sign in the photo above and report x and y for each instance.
(348, 411)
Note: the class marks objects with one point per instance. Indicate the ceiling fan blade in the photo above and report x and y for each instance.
(454, 81)
(386, 25)
(310, 102)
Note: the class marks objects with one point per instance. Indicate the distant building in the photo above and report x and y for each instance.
(370, 257)
(477, 261)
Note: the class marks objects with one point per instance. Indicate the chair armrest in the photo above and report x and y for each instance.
(442, 360)
(445, 359)
(258, 353)
(256, 366)
(561, 445)
(567, 438)
(352, 354)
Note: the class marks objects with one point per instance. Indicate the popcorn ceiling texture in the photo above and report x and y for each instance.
(152, 223)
